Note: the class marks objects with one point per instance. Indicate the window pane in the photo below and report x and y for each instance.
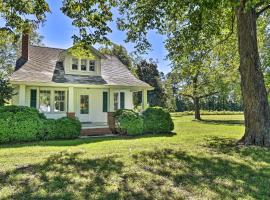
(75, 64)
(83, 65)
(59, 101)
(84, 104)
(45, 101)
(92, 65)
(115, 100)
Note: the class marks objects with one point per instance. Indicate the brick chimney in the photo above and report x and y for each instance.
(25, 45)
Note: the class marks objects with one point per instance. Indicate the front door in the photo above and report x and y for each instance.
(84, 108)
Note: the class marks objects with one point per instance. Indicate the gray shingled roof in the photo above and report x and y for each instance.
(44, 65)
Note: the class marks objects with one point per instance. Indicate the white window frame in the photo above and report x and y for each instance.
(119, 99)
(87, 65)
(52, 97)
(95, 65)
(78, 65)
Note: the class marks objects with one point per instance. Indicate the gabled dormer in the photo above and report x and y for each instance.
(79, 61)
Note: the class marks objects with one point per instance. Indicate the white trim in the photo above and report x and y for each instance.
(22, 95)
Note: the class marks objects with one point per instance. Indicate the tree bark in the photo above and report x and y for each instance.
(197, 108)
(256, 107)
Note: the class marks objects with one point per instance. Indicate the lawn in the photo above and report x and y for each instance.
(199, 161)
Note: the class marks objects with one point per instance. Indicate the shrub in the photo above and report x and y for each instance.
(128, 122)
(21, 124)
(63, 128)
(24, 109)
(157, 120)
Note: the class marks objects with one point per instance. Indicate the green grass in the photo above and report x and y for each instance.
(199, 161)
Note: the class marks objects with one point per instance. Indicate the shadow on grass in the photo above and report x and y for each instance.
(157, 174)
(229, 146)
(222, 122)
(204, 177)
(62, 176)
(81, 141)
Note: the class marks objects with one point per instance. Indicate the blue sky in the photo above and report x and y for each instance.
(58, 30)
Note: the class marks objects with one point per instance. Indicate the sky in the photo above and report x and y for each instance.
(58, 30)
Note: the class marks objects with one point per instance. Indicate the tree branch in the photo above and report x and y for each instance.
(186, 95)
(263, 10)
(207, 95)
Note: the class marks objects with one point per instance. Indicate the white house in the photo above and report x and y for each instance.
(58, 83)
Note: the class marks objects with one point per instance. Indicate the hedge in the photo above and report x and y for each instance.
(23, 124)
(128, 122)
(157, 120)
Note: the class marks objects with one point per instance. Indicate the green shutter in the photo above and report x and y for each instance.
(33, 98)
(105, 101)
(122, 100)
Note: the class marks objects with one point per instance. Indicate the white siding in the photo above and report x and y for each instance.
(96, 113)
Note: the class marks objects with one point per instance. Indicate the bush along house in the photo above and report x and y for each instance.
(87, 85)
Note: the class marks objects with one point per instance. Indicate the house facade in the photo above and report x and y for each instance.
(59, 83)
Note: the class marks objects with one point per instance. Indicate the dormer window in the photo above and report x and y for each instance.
(83, 65)
(75, 63)
(92, 65)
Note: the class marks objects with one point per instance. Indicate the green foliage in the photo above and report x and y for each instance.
(22, 124)
(206, 112)
(128, 122)
(147, 71)
(91, 18)
(18, 15)
(63, 128)
(157, 120)
(6, 91)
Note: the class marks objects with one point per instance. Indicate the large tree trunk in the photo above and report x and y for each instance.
(196, 101)
(256, 107)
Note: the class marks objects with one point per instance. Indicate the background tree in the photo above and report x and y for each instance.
(147, 71)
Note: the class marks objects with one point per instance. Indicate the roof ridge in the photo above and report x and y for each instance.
(46, 47)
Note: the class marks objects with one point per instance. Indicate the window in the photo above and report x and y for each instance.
(115, 100)
(84, 104)
(92, 65)
(59, 101)
(45, 100)
(75, 64)
(83, 65)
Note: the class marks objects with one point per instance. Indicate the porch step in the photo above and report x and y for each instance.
(95, 131)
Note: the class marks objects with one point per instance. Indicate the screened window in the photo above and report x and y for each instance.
(45, 100)
(75, 62)
(115, 100)
(83, 65)
(59, 101)
(92, 65)
(84, 104)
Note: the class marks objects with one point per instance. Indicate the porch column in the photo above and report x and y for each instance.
(22, 95)
(71, 110)
(144, 99)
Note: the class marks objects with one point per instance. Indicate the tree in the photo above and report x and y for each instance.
(6, 91)
(147, 71)
(210, 21)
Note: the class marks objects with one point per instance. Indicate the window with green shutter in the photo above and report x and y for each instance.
(122, 100)
(105, 101)
(33, 98)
